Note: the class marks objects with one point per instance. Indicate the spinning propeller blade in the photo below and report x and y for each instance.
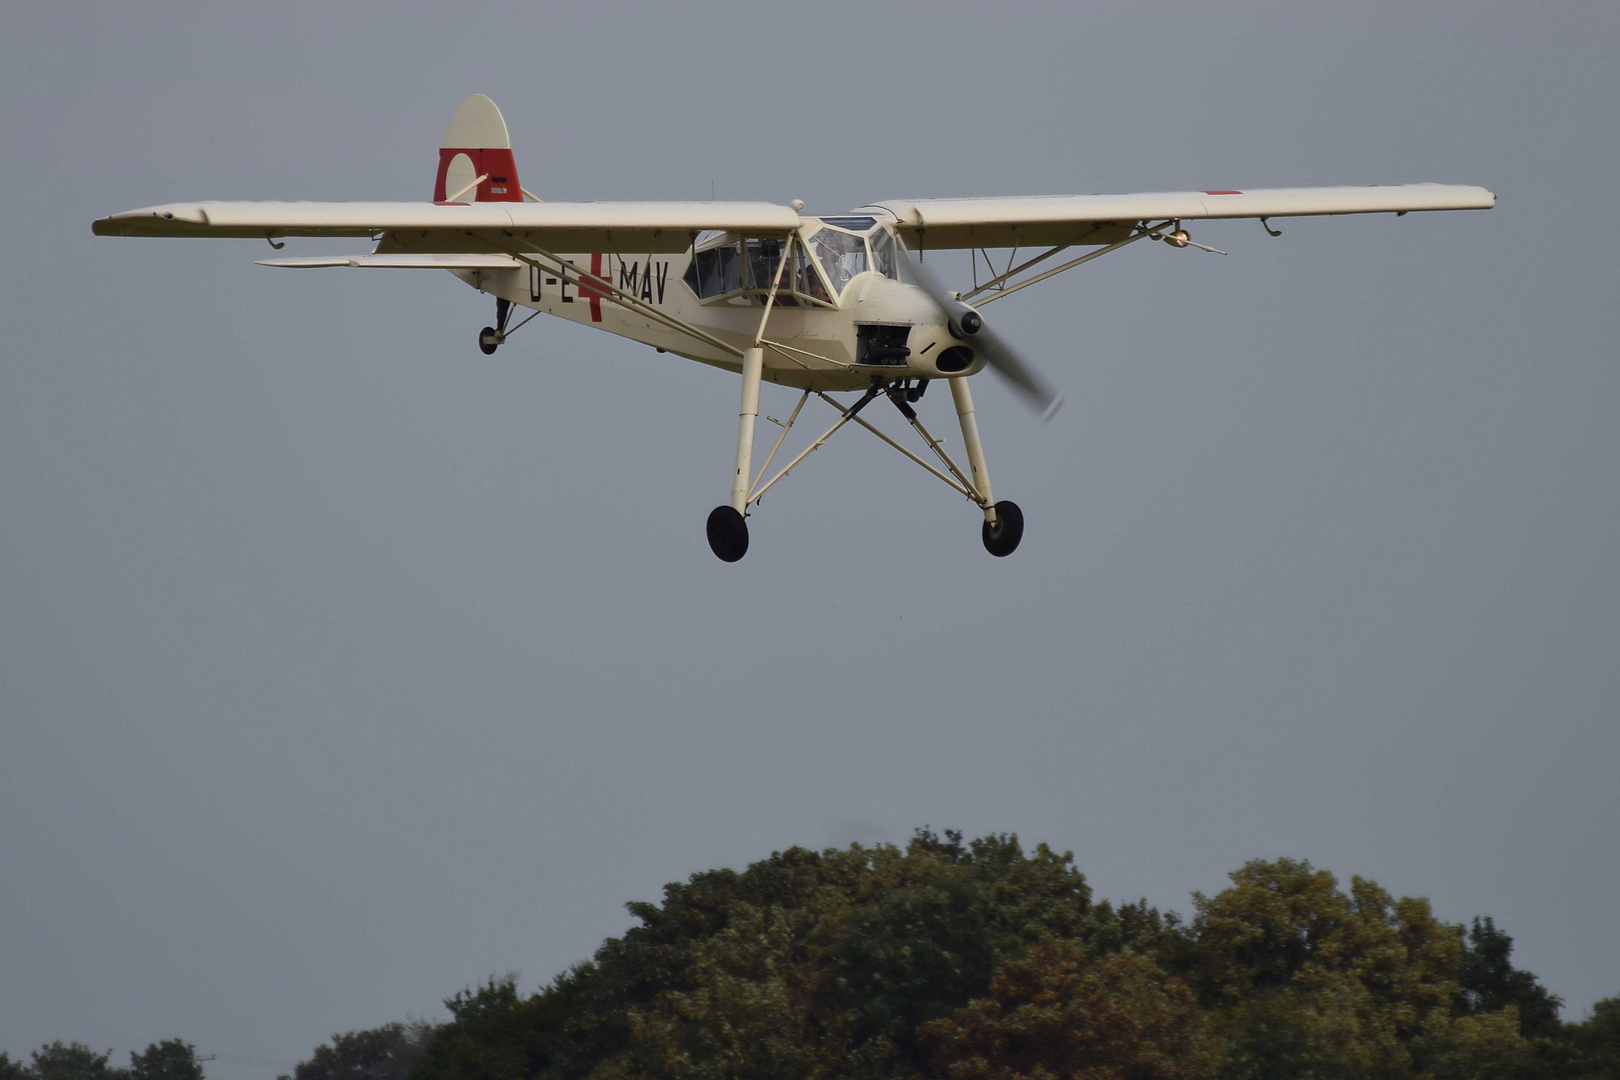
(968, 325)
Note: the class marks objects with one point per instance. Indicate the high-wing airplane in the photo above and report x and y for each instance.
(824, 304)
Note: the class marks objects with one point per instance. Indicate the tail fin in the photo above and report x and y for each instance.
(476, 159)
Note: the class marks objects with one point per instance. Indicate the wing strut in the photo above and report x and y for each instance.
(997, 287)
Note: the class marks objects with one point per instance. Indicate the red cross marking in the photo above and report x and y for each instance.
(591, 287)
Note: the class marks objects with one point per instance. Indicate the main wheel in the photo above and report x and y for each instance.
(1001, 539)
(488, 340)
(728, 534)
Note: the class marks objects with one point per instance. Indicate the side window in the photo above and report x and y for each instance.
(840, 254)
(725, 273)
(715, 271)
(806, 280)
(764, 259)
(747, 268)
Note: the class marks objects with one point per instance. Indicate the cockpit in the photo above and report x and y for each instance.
(825, 257)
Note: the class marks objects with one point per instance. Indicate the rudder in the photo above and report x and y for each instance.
(477, 148)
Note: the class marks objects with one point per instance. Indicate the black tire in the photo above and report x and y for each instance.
(486, 340)
(1001, 539)
(728, 534)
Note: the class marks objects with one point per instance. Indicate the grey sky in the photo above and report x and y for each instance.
(341, 665)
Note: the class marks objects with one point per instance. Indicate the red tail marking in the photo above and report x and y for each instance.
(495, 164)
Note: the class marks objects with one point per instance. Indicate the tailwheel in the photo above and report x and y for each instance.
(490, 337)
(1001, 538)
(728, 534)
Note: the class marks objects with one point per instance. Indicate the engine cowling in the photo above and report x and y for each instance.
(939, 352)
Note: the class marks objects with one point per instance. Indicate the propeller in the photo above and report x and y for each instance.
(968, 325)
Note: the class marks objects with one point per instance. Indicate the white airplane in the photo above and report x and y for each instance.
(824, 304)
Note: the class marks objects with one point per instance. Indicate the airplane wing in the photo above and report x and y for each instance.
(1105, 219)
(488, 227)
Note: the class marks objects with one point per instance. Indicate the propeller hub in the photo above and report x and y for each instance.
(989, 348)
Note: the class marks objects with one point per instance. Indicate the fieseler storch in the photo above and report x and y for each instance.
(824, 304)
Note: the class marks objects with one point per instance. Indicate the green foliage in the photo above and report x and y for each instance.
(805, 964)
(1057, 1014)
(1489, 983)
(1305, 979)
(1595, 1043)
(1483, 1046)
(977, 960)
(495, 1033)
(385, 1053)
(171, 1059)
(73, 1061)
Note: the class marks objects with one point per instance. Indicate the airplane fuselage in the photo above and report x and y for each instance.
(823, 331)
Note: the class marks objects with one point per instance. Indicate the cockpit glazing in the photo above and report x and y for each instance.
(728, 269)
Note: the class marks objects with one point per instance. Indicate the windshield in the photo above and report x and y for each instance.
(883, 260)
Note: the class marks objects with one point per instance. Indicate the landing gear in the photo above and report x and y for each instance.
(728, 534)
(727, 526)
(490, 337)
(1003, 521)
(1002, 535)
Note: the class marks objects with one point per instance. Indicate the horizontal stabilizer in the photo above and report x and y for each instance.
(399, 262)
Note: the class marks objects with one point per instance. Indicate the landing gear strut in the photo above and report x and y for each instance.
(727, 527)
(1003, 521)
(728, 532)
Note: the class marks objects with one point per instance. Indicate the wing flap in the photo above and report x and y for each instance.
(398, 262)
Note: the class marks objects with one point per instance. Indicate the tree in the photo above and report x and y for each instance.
(747, 1015)
(1597, 1042)
(824, 962)
(493, 1032)
(1487, 1046)
(73, 1061)
(13, 1070)
(1054, 1014)
(172, 1059)
(1307, 979)
(1488, 982)
(384, 1053)
(981, 961)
